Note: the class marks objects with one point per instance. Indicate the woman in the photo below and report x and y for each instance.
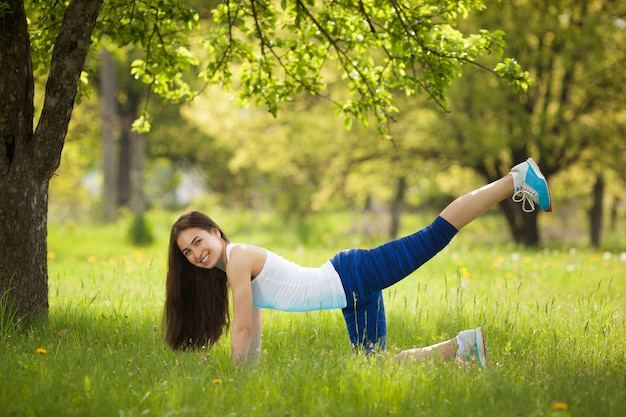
(203, 264)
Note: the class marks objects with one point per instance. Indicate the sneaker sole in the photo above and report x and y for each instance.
(481, 347)
(535, 168)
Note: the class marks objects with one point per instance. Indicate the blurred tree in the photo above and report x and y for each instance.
(304, 160)
(574, 51)
(381, 47)
(108, 91)
(123, 171)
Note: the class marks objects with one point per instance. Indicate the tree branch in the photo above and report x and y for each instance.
(68, 57)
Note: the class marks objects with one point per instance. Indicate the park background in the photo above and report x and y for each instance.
(549, 289)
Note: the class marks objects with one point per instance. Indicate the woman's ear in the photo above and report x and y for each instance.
(216, 232)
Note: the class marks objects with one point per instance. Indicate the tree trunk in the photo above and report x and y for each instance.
(137, 199)
(23, 266)
(123, 169)
(523, 226)
(128, 113)
(23, 194)
(108, 80)
(397, 206)
(141, 234)
(29, 159)
(613, 215)
(595, 212)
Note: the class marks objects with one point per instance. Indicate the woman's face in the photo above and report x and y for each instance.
(202, 248)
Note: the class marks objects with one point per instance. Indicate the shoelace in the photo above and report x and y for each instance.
(526, 196)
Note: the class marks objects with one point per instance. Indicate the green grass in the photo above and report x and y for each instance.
(554, 322)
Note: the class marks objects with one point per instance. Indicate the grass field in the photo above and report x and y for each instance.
(553, 319)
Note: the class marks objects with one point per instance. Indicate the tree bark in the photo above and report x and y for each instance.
(28, 159)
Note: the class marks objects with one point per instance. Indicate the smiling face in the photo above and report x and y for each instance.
(202, 248)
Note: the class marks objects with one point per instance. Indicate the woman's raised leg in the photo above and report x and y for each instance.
(365, 272)
(468, 207)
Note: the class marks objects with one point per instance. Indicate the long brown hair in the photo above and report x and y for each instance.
(196, 299)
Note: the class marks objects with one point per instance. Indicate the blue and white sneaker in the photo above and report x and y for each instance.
(531, 187)
(472, 347)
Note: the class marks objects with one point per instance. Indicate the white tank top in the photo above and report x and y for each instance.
(284, 285)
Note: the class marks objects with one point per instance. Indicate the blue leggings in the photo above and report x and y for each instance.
(366, 272)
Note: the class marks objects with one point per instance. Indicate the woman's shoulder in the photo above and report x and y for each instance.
(245, 254)
(244, 249)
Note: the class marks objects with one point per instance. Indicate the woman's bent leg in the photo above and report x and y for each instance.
(445, 350)
(366, 323)
(467, 347)
(364, 273)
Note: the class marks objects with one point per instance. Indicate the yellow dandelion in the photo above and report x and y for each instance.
(41, 351)
(559, 405)
(465, 273)
(217, 381)
(52, 255)
(92, 259)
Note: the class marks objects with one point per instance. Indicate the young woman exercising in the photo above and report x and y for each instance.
(203, 264)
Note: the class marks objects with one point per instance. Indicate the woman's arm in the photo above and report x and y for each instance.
(246, 328)
(241, 334)
(254, 352)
